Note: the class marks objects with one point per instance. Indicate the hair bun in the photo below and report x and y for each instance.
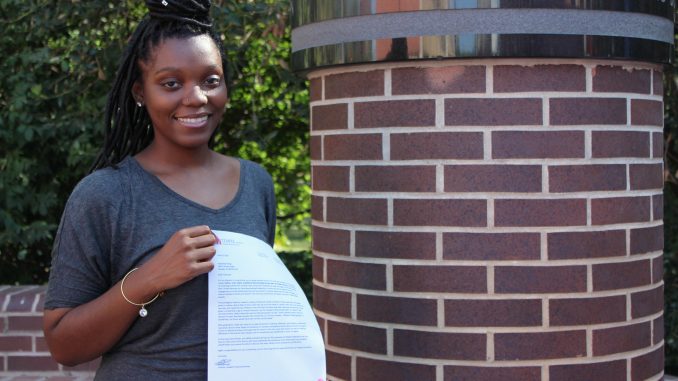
(195, 12)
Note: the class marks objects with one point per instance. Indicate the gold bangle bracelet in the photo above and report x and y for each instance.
(142, 312)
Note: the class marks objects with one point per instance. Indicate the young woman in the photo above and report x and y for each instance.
(128, 279)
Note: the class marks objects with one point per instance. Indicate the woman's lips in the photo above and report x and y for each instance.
(193, 121)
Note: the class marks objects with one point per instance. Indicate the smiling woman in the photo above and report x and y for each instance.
(135, 243)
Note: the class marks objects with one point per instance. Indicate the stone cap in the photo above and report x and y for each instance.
(330, 32)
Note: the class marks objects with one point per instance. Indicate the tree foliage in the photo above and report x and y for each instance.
(671, 214)
(59, 60)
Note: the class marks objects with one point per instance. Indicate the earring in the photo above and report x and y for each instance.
(139, 104)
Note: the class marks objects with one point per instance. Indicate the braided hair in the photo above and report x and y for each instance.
(127, 127)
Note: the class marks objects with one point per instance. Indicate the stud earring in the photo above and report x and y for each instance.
(139, 104)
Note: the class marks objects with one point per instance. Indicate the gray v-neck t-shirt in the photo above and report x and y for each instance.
(115, 220)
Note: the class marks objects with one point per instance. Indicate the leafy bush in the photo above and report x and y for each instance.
(59, 59)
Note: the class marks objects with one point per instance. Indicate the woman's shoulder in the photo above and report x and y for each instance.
(255, 170)
(99, 187)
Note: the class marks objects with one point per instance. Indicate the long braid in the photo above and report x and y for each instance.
(127, 128)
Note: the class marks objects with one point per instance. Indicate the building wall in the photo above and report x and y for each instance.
(23, 352)
(478, 218)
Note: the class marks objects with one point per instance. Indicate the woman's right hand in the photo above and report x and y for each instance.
(187, 254)
(74, 335)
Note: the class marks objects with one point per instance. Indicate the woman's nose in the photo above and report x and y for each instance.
(195, 95)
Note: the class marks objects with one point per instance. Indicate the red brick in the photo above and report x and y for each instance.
(318, 266)
(646, 176)
(333, 241)
(473, 373)
(440, 212)
(395, 245)
(438, 80)
(658, 83)
(437, 145)
(338, 365)
(493, 313)
(40, 305)
(329, 117)
(356, 274)
(377, 370)
(606, 144)
(555, 212)
(401, 113)
(648, 365)
(321, 325)
(491, 246)
(16, 343)
(393, 178)
(657, 144)
(608, 371)
(647, 113)
(21, 298)
(353, 147)
(539, 345)
(454, 279)
(628, 338)
(41, 344)
(613, 276)
(537, 144)
(493, 111)
(364, 211)
(648, 302)
(330, 178)
(493, 178)
(619, 210)
(398, 310)
(591, 244)
(31, 363)
(658, 207)
(439, 345)
(587, 311)
(617, 79)
(658, 330)
(354, 84)
(645, 240)
(539, 279)
(584, 111)
(333, 302)
(24, 323)
(658, 269)
(316, 147)
(515, 78)
(317, 212)
(587, 178)
(315, 89)
(354, 336)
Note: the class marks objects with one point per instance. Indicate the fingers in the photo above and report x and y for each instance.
(196, 231)
(204, 254)
(197, 236)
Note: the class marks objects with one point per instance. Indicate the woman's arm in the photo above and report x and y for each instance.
(80, 334)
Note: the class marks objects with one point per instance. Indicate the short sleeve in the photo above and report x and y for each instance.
(81, 254)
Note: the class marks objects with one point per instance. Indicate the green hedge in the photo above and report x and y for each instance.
(58, 61)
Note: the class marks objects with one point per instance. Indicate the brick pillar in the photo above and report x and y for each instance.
(487, 187)
(489, 220)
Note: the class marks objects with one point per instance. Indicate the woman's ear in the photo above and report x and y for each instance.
(138, 93)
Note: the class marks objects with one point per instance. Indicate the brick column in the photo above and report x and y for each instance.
(494, 219)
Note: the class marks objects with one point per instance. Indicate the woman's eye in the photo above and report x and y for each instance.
(171, 84)
(213, 81)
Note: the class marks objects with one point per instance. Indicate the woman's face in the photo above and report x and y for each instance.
(183, 90)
